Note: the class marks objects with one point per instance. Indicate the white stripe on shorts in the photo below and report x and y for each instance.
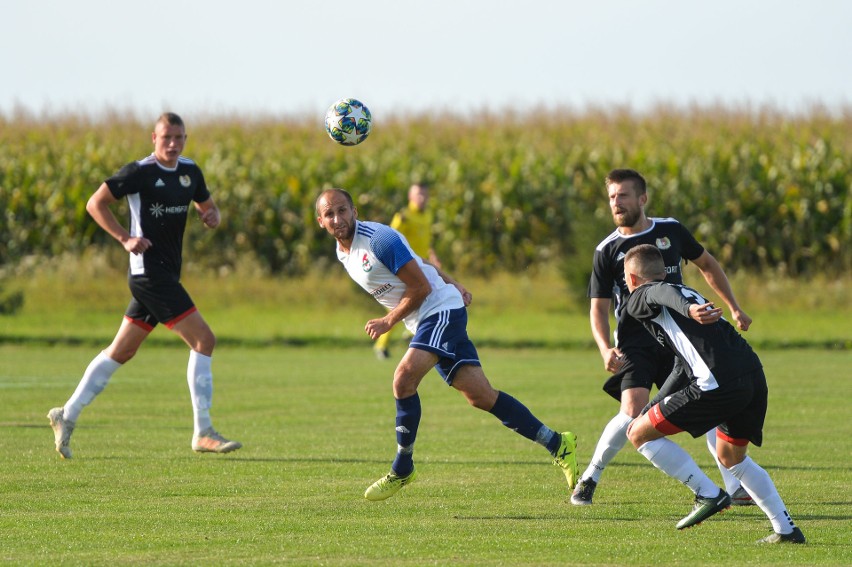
(438, 331)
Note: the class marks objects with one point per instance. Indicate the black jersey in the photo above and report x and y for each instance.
(159, 199)
(711, 354)
(670, 237)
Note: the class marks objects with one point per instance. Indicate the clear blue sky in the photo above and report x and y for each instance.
(295, 57)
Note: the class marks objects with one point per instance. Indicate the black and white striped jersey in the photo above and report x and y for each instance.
(711, 354)
(159, 199)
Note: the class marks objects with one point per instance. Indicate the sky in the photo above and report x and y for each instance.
(290, 58)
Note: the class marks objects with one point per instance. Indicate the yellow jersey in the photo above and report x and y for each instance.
(416, 226)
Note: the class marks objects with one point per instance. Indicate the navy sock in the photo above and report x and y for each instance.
(407, 421)
(516, 416)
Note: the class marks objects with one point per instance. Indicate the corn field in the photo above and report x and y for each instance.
(763, 191)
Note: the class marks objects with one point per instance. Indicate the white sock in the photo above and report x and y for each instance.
(757, 483)
(732, 483)
(200, 379)
(94, 380)
(667, 456)
(612, 440)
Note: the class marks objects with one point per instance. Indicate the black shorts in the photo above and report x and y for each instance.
(157, 300)
(737, 408)
(644, 366)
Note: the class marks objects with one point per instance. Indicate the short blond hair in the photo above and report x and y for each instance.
(171, 119)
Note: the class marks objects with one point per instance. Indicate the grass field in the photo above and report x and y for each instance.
(317, 425)
(297, 383)
(72, 300)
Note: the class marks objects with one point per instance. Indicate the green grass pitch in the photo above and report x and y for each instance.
(317, 425)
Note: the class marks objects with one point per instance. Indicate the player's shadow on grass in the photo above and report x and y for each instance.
(478, 464)
(485, 463)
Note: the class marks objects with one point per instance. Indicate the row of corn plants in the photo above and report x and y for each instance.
(763, 190)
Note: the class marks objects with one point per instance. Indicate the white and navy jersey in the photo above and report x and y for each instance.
(159, 199)
(376, 255)
(711, 354)
(670, 237)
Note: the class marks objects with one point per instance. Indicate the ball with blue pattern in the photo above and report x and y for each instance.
(348, 122)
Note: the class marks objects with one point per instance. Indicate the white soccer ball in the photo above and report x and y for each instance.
(348, 122)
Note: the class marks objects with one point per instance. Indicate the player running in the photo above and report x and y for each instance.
(159, 190)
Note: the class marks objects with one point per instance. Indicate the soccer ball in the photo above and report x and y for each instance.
(348, 122)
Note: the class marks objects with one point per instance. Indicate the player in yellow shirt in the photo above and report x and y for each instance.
(415, 224)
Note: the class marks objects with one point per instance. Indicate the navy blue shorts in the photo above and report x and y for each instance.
(445, 335)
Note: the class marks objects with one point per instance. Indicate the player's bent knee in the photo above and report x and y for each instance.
(203, 342)
(728, 462)
(122, 352)
(730, 456)
(402, 392)
(208, 343)
(631, 436)
(122, 357)
(404, 385)
(640, 431)
(479, 395)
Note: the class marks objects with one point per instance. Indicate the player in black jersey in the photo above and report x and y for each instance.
(159, 190)
(637, 362)
(725, 387)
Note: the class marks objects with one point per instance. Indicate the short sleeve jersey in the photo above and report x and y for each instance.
(711, 354)
(670, 237)
(376, 255)
(159, 198)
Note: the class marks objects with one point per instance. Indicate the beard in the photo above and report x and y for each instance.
(345, 233)
(626, 217)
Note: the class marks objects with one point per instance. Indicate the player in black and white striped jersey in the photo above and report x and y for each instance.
(725, 388)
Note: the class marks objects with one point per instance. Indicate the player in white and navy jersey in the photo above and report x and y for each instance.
(636, 362)
(160, 190)
(725, 389)
(432, 306)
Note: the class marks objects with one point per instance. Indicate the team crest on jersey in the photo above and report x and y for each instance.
(664, 243)
(365, 263)
(185, 180)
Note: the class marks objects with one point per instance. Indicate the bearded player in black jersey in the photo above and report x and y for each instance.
(725, 388)
(159, 190)
(636, 361)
